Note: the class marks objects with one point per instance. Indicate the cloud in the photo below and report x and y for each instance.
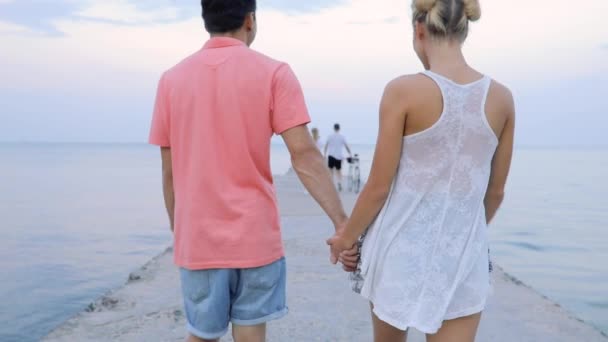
(37, 15)
(100, 70)
(294, 7)
(129, 13)
(387, 20)
(392, 20)
(41, 16)
(9, 28)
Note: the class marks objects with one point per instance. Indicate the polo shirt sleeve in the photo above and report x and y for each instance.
(159, 131)
(288, 105)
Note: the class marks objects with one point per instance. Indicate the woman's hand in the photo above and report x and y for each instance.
(350, 259)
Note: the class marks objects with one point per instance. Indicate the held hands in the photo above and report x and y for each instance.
(344, 251)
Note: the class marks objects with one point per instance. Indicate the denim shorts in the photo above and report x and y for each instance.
(246, 297)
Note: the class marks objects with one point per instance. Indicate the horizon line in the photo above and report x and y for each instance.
(273, 143)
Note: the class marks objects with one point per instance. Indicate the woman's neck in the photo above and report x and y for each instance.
(444, 57)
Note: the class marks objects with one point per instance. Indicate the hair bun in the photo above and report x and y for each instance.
(425, 5)
(472, 9)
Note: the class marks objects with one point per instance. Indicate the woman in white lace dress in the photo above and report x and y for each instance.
(441, 163)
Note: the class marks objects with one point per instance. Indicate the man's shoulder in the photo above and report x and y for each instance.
(181, 65)
(248, 58)
(263, 58)
(278, 69)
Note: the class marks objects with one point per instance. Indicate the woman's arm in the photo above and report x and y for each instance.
(393, 109)
(501, 164)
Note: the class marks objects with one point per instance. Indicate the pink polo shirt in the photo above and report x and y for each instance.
(217, 110)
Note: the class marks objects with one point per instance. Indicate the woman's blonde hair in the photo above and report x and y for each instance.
(446, 18)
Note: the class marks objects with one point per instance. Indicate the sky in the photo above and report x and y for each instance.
(87, 70)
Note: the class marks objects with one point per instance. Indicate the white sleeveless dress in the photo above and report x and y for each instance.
(425, 257)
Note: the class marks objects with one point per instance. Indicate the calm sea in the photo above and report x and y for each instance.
(76, 219)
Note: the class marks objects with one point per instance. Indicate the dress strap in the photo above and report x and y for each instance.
(435, 77)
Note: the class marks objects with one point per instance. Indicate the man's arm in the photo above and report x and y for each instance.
(310, 167)
(348, 148)
(168, 191)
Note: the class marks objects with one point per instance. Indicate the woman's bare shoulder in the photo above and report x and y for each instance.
(502, 96)
(408, 80)
(409, 84)
(408, 91)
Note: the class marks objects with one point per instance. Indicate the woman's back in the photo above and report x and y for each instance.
(434, 219)
(449, 143)
(427, 101)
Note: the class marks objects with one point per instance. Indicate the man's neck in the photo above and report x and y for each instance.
(238, 35)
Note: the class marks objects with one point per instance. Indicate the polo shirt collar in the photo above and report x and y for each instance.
(221, 42)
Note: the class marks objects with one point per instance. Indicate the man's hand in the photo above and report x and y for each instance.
(349, 258)
(343, 250)
(339, 244)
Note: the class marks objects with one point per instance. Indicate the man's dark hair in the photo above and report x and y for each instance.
(336, 127)
(223, 16)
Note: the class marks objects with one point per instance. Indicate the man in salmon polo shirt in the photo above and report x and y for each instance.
(214, 117)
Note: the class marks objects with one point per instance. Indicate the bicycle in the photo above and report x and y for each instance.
(354, 174)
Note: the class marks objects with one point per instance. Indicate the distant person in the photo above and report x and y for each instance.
(438, 178)
(317, 138)
(214, 117)
(334, 149)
